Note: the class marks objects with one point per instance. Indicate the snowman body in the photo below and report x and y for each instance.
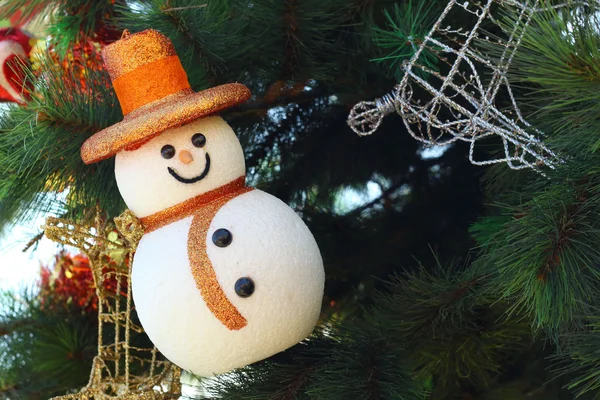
(271, 245)
(184, 283)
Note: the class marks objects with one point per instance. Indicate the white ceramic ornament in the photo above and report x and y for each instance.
(224, 275)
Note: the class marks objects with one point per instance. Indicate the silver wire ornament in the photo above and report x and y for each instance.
(460, 105)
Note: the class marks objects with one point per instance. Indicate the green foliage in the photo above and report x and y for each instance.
(461, 331)
(39, 146)
(408, 25)
(285, 376)
(41, 355)
(365, 364)
(541, 251)
(271, 45)
(453, 331)
(582, 359)
(431, 328)
(354, 360)
(204, 34)
(545, 259)
(64, 352)
(559, 58)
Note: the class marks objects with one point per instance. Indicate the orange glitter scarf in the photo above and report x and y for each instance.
(191, 206)
(204, 208)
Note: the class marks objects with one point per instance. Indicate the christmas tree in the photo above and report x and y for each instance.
(463, 270)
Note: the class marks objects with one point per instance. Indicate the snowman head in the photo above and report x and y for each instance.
(170, 146)
(179, 164)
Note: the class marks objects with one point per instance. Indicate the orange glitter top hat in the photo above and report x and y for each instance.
(154, 94)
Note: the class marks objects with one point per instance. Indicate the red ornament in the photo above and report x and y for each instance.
(19, 19)
(15, 47)
(69, 284)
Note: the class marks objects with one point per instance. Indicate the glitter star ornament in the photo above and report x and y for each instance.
(225, 275)
(440, 108)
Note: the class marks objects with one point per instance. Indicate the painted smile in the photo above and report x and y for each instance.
(194, 179)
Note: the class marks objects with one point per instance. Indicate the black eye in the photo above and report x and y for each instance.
(167, 151)
(199, 140)
(244, 287)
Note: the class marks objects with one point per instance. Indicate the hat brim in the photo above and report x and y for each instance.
(151, 120)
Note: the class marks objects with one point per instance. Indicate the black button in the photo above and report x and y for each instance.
(167, 151)
(244, 287)
(222, 238)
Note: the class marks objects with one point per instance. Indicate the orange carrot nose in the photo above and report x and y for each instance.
(185, 157)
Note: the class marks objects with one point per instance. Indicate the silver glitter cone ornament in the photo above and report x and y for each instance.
(460, 105)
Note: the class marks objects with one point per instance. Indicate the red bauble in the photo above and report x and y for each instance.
(15, 47)
(69, 284)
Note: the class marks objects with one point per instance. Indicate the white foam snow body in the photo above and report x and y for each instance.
(271, 245)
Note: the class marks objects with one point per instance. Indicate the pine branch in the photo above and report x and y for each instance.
(545, 258)
(579, 363)
(175, 16)
(292, 42)
(380, 199)
(39, 145)
(366, 364)
(9, 328)
(293, 389)
(284, 376)
(450, 327)
(566, 229)
(353, 361)
(211, 37)
(407, 26)
(557, 63)
(184, 8)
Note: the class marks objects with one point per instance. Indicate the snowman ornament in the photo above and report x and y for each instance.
(225, 275)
